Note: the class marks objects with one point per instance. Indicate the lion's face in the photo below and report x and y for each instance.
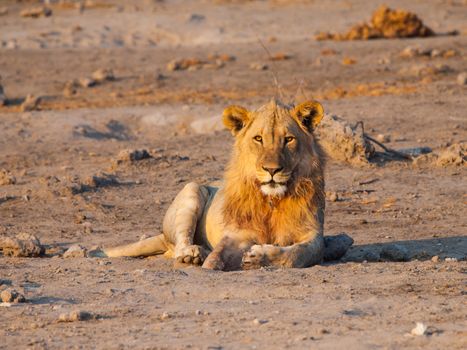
(275, 144)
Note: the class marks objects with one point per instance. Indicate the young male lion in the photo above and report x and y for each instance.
(269, 210)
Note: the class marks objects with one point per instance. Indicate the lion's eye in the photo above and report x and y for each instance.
(289, 139)
(258, 138)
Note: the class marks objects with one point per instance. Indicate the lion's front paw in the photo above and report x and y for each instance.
(192, 254)
(214, 262)
(255, 258)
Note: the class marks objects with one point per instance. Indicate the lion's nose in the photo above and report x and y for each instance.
(273, 171)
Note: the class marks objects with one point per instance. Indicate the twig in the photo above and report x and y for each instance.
(273, 71)
(386, 149)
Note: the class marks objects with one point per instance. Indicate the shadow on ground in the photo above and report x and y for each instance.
(424, 249)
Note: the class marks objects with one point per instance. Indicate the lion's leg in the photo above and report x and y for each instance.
(298, 255)
(227, 255)
(146, 247)
(180, 223)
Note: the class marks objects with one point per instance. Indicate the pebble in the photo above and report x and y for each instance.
(435, 259)
(75, 316)
(6, 178)
(259, 322)
(333, 197)
(30, 103)
(12, 296)
(383, 138)
(36, 12)
(461, 79)
(75, 251)
(420, 329)
(450, 259)
(87, 82)
(103, 74)
(258, 66)
(129, 155)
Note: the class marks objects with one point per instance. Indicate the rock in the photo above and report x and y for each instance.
(461, 80)
(385, 23)
(71, 88)
(102, 75)
(420, 329)
(36, 12)
(344, 141)
(332, 196)
(3, 11)
(394, 252)
(75, 316)
(259, 322)
(131, 155)
(383, 138)
(6, 178)
(435, 259)
(184, 64)
(449, 259)
(23, 245)
(30, 103)
(87, 82)
(258, 66)
(10, 295)
(75, 251)
(453, 155)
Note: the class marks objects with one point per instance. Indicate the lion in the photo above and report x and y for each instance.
(268, 210)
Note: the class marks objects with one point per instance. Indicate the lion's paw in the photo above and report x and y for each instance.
(192, 254)
(214, 262)
(254, 258)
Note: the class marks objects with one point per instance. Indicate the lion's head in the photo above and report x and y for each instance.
(274, 145)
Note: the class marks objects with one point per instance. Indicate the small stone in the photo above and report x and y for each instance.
(75, 316)
(130, 155)
(103, 74)
(70, 88)
(420, 329)
(394, 252)
(435, 259)
(198, 312)
(450, 259)
(3, 10)
(435, 53)
(75, 251)
(87, 82)
(23, 245)
(36, 12)
(383, 138)
(259, 322)
(410, 52)
(87, 227)
(332, 196)
(30, 103)
(6, 178)
(10, 295)
(258, 66)
(165, 316)
(462, 79)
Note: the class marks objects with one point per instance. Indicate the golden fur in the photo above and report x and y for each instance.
(269, 209)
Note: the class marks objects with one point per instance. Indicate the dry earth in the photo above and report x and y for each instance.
(63, 184)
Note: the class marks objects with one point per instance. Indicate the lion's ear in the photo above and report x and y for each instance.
(235, 118)
(309, 114)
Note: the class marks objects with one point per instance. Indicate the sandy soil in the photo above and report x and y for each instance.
(63, 184)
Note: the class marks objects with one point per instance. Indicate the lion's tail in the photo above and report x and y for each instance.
(146, 247)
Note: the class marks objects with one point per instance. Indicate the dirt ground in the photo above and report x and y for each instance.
(62, 181)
